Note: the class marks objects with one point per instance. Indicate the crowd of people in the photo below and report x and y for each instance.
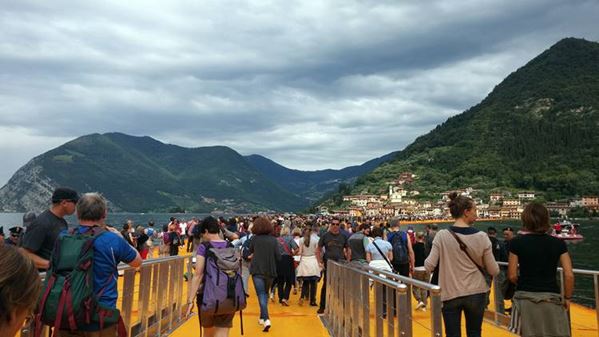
(283, 254)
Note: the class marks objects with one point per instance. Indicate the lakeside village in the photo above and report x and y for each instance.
(403, 202)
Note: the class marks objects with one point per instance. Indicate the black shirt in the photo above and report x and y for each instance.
(419, 256)
(41, 235)
(333, 245)
(538, 256)
(265, 249)
(141, 242)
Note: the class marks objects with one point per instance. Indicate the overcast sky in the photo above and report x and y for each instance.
(309, 84)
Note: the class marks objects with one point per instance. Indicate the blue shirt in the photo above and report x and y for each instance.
(110, 249)
(384, 246)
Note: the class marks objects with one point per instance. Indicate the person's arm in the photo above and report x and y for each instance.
(39, 262)
(196, 281)
(390, 254)
(432, 260)
(368, 256)
(566, 263)
(489, 262)
(512, 268)
(229, 235)
(411, 254)
(319, 252)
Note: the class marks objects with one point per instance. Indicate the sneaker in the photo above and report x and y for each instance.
(294, 291)
(272, 297)
(266, 325)
(261, 321)
(320, 311)
(301, 301)
(420, 305)
(285, 303)
(313, 304)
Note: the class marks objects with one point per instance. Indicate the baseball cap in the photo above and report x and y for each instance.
(64, 193)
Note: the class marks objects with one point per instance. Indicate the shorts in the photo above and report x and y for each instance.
(218, 321)
(208, 320)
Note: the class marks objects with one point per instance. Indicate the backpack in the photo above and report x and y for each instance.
(245, 248)
(223, 291)
(68, 300)
(399, 242)
(175, 240)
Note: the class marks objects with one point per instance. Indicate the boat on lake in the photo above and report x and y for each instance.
(566, 230)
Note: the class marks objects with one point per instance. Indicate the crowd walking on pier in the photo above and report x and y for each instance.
(280, 254)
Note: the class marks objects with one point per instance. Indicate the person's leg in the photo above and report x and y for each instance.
(474, 311)
(288, 278)
(262, 294)
(312, 285)
(452, 316)
(209, 332)
(221, 332)
(323, 292)
(245, 276)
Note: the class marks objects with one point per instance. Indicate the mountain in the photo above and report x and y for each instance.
(312, 185)
(537, 130)
(141, 174)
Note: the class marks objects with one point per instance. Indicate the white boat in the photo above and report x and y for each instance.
(566, 230)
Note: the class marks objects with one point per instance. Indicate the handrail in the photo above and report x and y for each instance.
(348, 301)
(152, 298)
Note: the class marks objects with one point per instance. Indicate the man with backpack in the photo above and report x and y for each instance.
(71, 304)
(217, 282)
(403, 254)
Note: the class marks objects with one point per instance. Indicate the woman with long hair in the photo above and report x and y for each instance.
(464, 255)
(308, 269)
(538, 306)
(20, 287)
(264, 249)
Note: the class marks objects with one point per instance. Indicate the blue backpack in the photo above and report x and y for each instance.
(399, 242)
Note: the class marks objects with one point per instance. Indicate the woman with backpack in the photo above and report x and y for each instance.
(463, 254)
(264, 249)
(212, 325)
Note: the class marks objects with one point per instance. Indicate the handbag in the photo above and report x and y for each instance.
(508, 289)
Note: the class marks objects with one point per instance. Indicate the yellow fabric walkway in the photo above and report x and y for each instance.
(291, 321)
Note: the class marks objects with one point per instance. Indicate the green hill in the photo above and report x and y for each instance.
(537, 130)
(140, 174)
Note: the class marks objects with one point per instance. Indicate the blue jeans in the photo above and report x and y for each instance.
(262, 285)
(473, 307)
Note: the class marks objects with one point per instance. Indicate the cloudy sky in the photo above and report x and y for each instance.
(309, 84)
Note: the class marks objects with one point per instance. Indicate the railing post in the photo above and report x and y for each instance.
(392, 309)
(404, 307)
(365, 292)
(145, 276)
(378, 303)
(436, 315)
(596, 285)
(127, 304)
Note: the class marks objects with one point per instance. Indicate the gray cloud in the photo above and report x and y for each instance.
(309, 84)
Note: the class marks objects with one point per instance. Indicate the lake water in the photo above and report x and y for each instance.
(584, 254)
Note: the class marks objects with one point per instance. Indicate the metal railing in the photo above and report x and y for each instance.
(349, 298)
(152, 297)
